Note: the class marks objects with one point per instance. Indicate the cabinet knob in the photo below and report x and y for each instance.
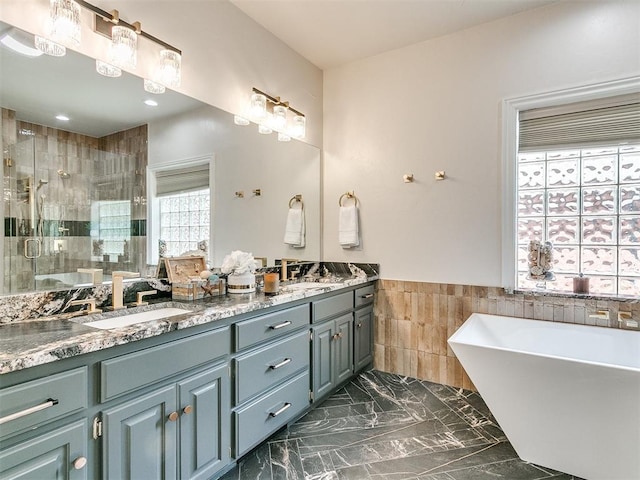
(187, 410)
(337, 336)
(360, 325)
(173, 416)
(79, 463)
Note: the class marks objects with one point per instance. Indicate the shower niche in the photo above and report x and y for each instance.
(71, 201)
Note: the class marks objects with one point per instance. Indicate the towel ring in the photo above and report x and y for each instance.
(348, 195)
(296, 199)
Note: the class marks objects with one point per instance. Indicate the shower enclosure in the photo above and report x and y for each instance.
(70, 202)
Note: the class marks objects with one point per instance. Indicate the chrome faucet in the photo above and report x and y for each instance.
(117, 301)
(91, 302)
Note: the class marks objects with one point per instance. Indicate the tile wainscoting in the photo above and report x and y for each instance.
(415, 319)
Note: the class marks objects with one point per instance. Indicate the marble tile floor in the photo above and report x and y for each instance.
(382, 426)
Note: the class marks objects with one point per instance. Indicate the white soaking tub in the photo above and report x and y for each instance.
(567, 396)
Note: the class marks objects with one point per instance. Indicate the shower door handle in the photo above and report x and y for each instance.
(38, 247)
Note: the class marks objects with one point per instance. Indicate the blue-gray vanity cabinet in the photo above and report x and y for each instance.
(140, 439)
(363, 338)
(259, 418)
(33, 404)
(57, 455)
(332, 354)
(271, 374)
(204, 408)
(182, 428)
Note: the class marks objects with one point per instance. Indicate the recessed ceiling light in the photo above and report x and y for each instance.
(151, 103)
(17, 41)
(64, 118)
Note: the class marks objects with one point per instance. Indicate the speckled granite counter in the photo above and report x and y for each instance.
(29, 343)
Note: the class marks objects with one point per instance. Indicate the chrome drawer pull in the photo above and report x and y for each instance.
(281, 364)
(48, 404)
(280, 410)
(280, 325)
(368, 295)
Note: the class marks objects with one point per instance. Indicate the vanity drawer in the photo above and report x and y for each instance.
(332, 306)
(266, 367)
(256, 330)
(34, 403)
(364, 295)
(135, 370)
(259, 419)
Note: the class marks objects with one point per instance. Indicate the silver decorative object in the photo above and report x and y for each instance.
(540, 260)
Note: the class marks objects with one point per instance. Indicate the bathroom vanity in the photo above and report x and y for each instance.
(183, 397)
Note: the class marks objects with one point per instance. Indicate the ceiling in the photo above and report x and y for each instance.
(330, 33)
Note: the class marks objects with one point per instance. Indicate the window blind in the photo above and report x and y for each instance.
(608, 121)
(178, 180)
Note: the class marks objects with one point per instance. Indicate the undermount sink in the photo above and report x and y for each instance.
(310, 285)
(127, 319)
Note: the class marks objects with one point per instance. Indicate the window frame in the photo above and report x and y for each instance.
(511, 108)
(153, 203)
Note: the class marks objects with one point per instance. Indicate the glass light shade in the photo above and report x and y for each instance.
(64, 16)
(258, 106)
(299, 126)
(103, 68)
(169, 73)
(50, 48)
(264, 130)
(124, 47)
(283, 137)
(279, 119)
(238, 120)
(153, 87)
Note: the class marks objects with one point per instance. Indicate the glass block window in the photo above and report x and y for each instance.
(114, 227)
(184, 220)
(586, 201)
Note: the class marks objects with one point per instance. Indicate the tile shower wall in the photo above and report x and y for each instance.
(76, 170)
(415, 319)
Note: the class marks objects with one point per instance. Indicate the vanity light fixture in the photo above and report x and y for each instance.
(64, 22)
(123, 51)
(49, 47)
(264, 129)
(279, 121)
(264, 106)
(238, 120)
(64, 28)
(107, 70)
(258, 105)
(153, 87)
(170, 71)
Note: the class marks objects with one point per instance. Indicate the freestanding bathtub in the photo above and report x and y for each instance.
(567, 396)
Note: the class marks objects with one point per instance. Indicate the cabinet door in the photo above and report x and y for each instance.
(204, 423)
(323, 363)
(58, 455)
(363, 338)
(343, 348)
(140, 438)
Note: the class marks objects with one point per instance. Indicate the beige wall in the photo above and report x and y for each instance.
(436, 106)
(415, 319)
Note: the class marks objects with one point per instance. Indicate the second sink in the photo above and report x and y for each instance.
(130, 319)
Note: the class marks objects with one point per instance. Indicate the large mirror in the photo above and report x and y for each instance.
(121, 181)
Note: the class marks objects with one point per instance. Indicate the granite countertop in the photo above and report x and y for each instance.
(35, 342)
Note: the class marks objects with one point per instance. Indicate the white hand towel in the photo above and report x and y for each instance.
(348, 226)
(294, 234)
